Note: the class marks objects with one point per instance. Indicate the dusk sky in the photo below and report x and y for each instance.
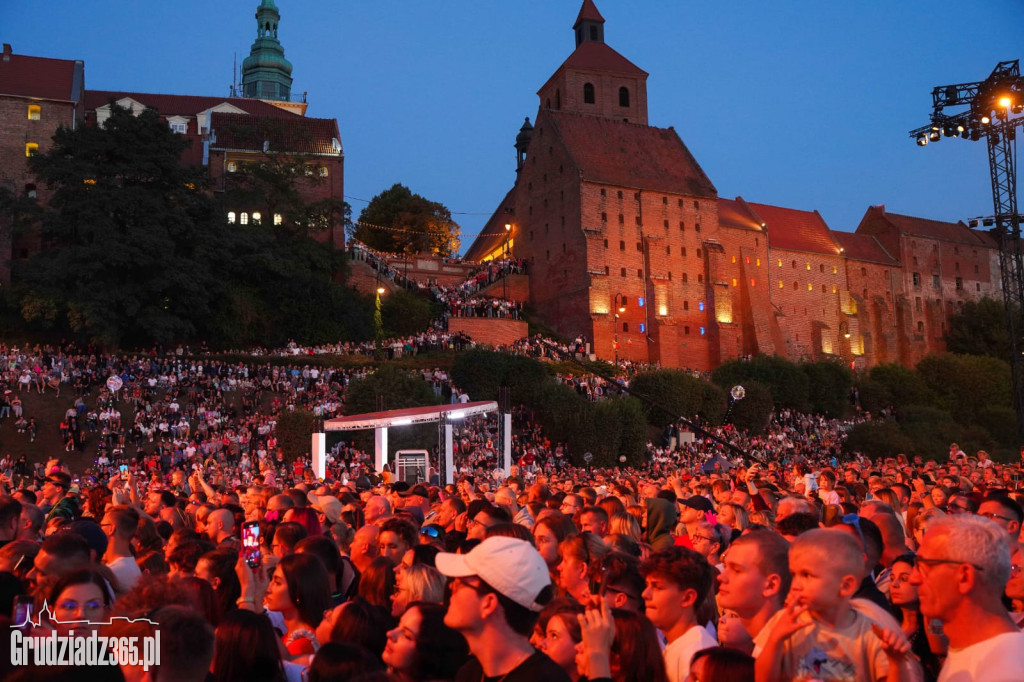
(794, 103)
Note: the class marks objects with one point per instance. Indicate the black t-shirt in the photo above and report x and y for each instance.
(537, 668)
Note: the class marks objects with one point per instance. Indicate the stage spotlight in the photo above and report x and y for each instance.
(934, 136)
(973, 222)
(922, 140)
(988, 222)
(948, 131)
(986, 120)
(975, 135)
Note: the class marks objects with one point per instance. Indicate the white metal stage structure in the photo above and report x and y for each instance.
(380, 422)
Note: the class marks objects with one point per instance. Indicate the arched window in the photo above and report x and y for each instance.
(256, 217)
(231, 217)
(588, 93)
(34, 110)
(31, 149)
(245, 219)
(624, 97)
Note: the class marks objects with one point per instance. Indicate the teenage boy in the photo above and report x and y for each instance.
(677, 581)
(819, 635)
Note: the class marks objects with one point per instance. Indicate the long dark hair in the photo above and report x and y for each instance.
(440, 650)
(363, 623)
(377, 583)
(246, 649)
(636, 643)
(308, 586)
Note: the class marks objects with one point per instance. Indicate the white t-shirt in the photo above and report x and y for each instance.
(126, 571)
(997, 659)
(679, 653)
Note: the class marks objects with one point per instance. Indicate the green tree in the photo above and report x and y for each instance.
(398, 221)
(294, 431)
(392, 388)
(878, 439)
(963, 384)
(828, 384)
(404, 313)
(131, 241)
(788, 384)
(680, 393)
(979, 328)
(903, 385)
(752, 413)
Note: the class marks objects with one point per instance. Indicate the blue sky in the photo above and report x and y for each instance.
(795, 103)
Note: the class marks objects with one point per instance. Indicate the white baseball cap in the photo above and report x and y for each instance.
(510, 565)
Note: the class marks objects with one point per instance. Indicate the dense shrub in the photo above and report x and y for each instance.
(788, 384)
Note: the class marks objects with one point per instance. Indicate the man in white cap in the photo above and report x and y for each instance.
(498, 591)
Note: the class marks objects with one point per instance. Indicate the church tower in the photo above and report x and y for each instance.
(266, 74)
(595, 79)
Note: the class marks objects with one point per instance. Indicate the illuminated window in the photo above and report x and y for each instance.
(232, 166)
(734, 259)
(810, 287)
(753, 282)
(834, 270)
(34, 110)
(278, 219)
(808, 265)
(245, 219)
(835, 289)
(780, 262)
(758, 262)
(734, 281)
(700, 306)
(781, 284)
(256, 217)
(180, 128)
(323, 171)
(31, 149)
(231, 217)
(702, 331)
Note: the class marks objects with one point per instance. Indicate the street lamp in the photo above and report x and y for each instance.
(620, 307)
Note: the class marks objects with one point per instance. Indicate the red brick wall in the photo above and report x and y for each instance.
(517, 288)
(566, 87)
(487, 331)
(805, 288)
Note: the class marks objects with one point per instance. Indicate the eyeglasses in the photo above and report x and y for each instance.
(993, 517)
(957, 508)
(932, 562)
(705, 538)
(480, 588)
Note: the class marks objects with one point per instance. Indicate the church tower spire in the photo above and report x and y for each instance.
(589, 26)
(266, 74)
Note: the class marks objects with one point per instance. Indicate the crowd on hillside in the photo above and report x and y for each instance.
(699, 567)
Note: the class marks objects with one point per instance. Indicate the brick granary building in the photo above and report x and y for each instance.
(629, 244)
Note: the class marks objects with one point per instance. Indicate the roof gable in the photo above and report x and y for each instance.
(737, 215)
(41, 77)
(795, 230)
(184, 105)
(935, 229)
(291, 134)
(863, 247)
(629, 155)
(588, 12)
(593, 56)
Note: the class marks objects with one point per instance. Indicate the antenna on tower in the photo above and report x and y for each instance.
(234, 74)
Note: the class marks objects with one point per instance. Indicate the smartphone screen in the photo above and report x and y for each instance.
(124, 471)
(22, 613)
(251, 544)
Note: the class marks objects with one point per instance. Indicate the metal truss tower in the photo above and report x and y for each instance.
(994, 108)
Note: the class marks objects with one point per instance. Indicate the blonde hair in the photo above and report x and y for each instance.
(424, 583)
(841, 549)
(625, 524)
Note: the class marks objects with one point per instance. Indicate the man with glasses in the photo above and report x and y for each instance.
(498, 591)
(571, 505)
(1005, 511)
(961, 504)
(961, 570)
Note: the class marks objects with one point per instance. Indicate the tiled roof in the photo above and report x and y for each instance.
(41, 77)
(629, 154)
(294, 134)
(592, 56)
(588, 12)
(493, 234)
(182, 105)
(795, 230)
(936, 229)
(863, 247)
(735, 214)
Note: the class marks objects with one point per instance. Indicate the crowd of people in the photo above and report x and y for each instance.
(900, 569)
(795, 562)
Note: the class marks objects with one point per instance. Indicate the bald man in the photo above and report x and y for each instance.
(363, 548)
(377, 509)
(220, 527)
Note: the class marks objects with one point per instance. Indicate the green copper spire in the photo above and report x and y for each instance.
(266, 74)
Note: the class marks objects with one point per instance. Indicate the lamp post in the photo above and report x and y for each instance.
(620, 307)
(504, 278)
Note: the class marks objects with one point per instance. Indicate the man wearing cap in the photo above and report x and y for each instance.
(692, 511)
(498, 591)
(54, 494)
(416, 496)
